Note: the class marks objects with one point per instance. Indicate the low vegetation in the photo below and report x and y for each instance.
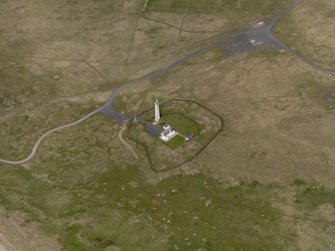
(312, 196)
(184, 116)
(176, 141)
(309, 31)
(117, 209)
(237, 13)
(253, 8)
(20, 132)
(265, 183)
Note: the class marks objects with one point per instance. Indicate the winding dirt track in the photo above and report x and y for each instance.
(38, 142)
(108, 109)
(125, 143)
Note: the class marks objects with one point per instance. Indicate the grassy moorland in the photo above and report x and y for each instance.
(309, 31)
(266, 182)
(116, 209)
(237, 14)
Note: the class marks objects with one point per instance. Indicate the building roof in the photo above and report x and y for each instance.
(189, 136)
(167, 132)
(166, 126)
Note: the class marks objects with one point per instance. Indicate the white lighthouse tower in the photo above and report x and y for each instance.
(157, 112)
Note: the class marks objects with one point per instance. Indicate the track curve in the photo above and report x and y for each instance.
(39, 141)
(293, 52)
(108, 108)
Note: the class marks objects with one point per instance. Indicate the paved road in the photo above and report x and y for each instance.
(235, 43)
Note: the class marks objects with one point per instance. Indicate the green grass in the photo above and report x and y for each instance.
(70, 239)
(181, 123)
(176, 141)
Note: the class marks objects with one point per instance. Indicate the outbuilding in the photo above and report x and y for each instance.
(168, 134)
